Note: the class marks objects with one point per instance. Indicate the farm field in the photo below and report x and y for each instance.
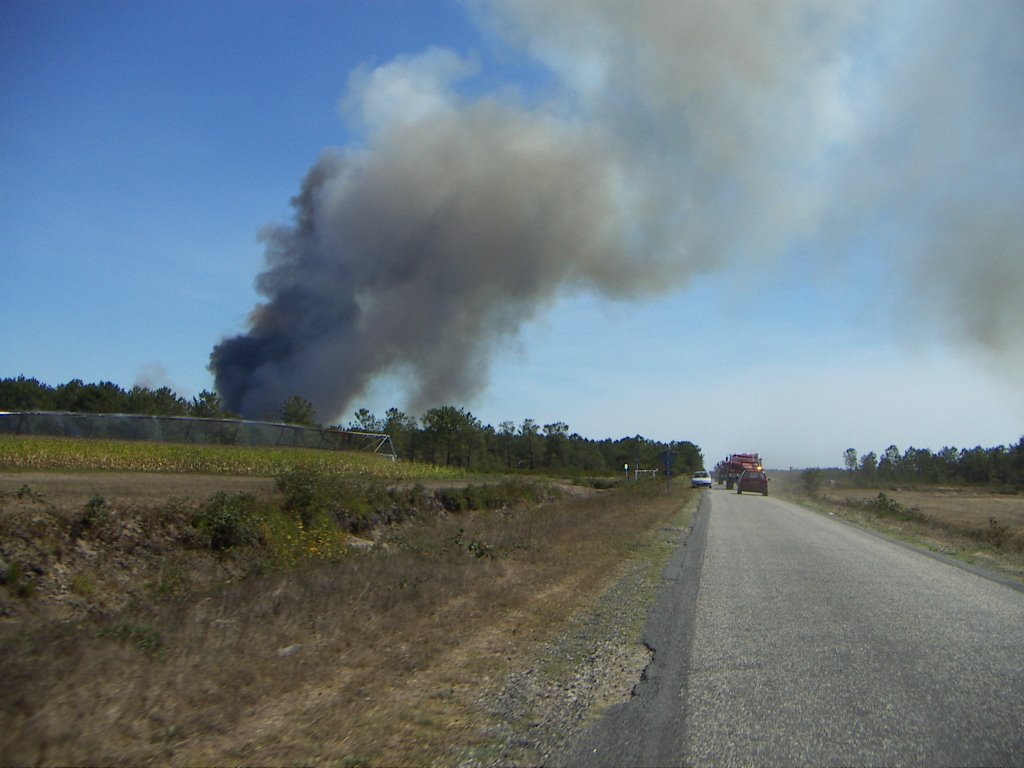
(963, 508)
(55, 454)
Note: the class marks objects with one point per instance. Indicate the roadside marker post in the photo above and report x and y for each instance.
(668, 459)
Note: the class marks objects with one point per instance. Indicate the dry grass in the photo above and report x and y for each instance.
(375, 659)
(975, 524)
(72, 489)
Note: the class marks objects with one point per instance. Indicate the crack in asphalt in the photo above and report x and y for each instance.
(650, 728)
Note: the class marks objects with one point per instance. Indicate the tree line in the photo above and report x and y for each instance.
(25, 394)
(1001, 464)
(447, 435)
(452, 436)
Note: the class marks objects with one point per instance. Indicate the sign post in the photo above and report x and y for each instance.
(668, 459)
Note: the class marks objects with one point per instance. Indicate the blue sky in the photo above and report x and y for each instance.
(813, 246)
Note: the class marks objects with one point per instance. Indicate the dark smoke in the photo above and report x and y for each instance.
(423, 254)
(684, 136)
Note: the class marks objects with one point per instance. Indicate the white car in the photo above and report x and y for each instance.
(700, 479)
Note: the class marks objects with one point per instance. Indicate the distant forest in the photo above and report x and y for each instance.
(447, 435)
(1003, 465)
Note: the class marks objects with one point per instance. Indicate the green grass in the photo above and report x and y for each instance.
(25, 452)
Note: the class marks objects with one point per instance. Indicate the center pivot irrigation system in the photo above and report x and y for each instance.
(191, 429)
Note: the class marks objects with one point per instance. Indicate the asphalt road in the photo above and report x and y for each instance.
(783, 637)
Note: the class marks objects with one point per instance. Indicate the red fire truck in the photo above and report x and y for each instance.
(728, 470)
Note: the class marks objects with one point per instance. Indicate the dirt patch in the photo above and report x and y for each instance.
(74, 546)
(130, 488)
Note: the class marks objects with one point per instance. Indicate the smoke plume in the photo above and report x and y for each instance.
(676, 138)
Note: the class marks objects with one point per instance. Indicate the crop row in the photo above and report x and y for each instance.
(25, 452)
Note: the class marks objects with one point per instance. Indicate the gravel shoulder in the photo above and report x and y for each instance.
(601, 662)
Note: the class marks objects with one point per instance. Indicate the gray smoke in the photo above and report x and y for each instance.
(678, 137)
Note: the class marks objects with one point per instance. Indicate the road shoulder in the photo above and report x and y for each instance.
(656, 703)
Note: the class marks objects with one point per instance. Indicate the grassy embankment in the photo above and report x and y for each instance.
(249, 628)
(979, 525)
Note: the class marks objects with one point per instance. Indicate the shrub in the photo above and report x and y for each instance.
(289, 542)
(998, 533)
(883, 506)
(141, 636)
(357, 507)
(313, 496)
(452, 500)
(173, 579)
(411, 502)
(475, 547)
(13, 579)
(302, 489)
(94, 517)
(886, 507)
(493, 496)
(83, 584)
(229, 520)
(812, 479)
